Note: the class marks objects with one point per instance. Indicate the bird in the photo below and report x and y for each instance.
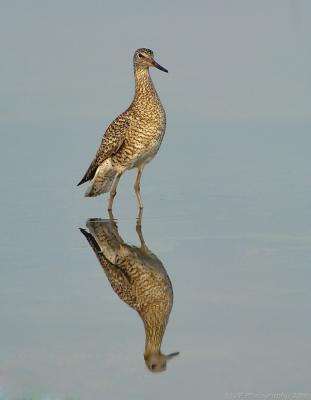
(133, 138)
(139, 278)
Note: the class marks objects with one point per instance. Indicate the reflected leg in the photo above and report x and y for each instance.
(114, 226)
(137, 186)
(113, 191)
(138, 228)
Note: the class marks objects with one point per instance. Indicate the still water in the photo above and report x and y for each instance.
(227, 216)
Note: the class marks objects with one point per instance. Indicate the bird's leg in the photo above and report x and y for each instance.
(112, 220)
(140, 215)
(138, 229)
(111, 216)
(114, 226)
(113, 191)
(137, 186)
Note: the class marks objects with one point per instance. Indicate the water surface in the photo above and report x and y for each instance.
(231, 226)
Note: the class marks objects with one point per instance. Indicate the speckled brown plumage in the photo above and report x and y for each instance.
(133, 138)
(139, 279)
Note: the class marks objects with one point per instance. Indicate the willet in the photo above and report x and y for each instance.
(133, 138)
(139, 279)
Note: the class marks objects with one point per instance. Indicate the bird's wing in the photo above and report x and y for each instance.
(110, 144)
(119, 279)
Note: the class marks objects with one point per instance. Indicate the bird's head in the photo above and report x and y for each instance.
(145, 58)
(156, 362)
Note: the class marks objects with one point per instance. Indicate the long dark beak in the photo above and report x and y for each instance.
(170, 356)
(155, 64)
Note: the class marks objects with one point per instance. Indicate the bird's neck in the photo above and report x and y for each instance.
(154, 329)
(144, 88)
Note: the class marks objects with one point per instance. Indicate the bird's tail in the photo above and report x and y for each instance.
(97, 250)
(107, 237)
(103, 179)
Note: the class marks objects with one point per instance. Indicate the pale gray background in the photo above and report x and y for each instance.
(227, 199)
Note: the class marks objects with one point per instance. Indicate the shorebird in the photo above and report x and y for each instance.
(139, 279)
(133, 138)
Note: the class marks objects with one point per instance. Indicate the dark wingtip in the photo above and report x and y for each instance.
(86, 234)
(90, 239)
(82, 181)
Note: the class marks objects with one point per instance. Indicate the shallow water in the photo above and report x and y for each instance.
(232, 228)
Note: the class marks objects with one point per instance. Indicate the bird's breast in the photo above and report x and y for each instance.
(147, 122)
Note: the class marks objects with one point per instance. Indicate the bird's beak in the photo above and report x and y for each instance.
(155, 64)
(170, 356)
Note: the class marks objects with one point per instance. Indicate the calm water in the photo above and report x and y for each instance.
(230, 221)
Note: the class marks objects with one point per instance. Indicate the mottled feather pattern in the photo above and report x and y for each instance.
(110, 144)
(136, 275)
(134, 137)
(119, 279)
(113, 138)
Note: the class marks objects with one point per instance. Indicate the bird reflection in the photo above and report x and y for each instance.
(139, 279)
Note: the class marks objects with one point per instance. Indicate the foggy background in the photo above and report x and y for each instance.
(227, 199)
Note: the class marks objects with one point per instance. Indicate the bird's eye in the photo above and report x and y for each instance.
(140, 55)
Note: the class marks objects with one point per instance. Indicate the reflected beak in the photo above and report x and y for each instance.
(155, 64)
(170, 356)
